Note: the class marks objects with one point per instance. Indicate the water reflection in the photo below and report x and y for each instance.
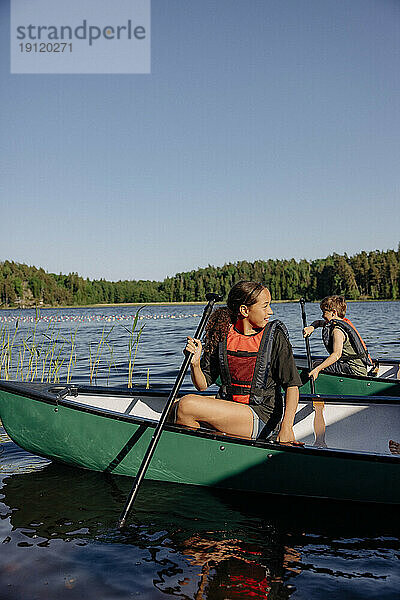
(182, 541)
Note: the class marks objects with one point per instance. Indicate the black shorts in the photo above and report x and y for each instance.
(338, 368)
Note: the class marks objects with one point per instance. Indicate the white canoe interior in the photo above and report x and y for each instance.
(146, 407)
(357, 427)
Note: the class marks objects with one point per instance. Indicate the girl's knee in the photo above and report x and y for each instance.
(186, 405)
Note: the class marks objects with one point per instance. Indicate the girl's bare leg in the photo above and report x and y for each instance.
(229, 417)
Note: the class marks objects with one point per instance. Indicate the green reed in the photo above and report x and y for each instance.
(148, 379)
(133, 344)
(94, 360)
(44, 355)
(50, 357)
(48, 352)
(72, 356)
(38, 357)
(7, 352)
(6, 355)
(111, 361)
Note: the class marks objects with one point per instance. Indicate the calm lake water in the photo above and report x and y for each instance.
(58, 530)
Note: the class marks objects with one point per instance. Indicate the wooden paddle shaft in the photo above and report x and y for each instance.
(212, 298)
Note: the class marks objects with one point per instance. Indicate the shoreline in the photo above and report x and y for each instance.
(143, 304)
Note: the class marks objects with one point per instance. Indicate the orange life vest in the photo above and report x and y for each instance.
(245, 363)
(242, 351)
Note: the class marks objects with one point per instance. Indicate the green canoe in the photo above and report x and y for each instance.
(350, 450)
(383, 380)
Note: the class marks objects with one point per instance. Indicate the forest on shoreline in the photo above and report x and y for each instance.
(371, 275)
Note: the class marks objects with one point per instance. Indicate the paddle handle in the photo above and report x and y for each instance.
(212, 298)
(307, 342)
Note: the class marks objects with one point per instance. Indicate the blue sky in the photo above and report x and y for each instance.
(267, 129)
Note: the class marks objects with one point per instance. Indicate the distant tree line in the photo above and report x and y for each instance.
(366, 275)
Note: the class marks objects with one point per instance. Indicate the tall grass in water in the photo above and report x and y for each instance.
(72, 357)
(94, 359)
(6, 353)
(39, 357)
(148, 379)
(48, 356)
(133, 344)
(51, 356)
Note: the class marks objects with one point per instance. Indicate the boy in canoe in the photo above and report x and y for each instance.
(253, 359)
(348, 353)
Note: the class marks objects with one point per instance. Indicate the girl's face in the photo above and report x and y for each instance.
(259, 313)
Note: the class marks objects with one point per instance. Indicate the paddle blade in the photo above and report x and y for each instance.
(213, 297)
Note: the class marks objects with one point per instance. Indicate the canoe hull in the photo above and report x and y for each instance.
(386, 383)
(116, 444)
(350, 386)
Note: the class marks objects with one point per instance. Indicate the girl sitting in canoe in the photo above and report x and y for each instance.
(348, 352)
(253, 359)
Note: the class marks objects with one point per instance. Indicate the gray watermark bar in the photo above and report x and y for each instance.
(80, 36)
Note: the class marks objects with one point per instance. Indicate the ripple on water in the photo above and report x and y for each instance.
(15, 460)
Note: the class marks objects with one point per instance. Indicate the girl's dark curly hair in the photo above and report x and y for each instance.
(243, 292)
